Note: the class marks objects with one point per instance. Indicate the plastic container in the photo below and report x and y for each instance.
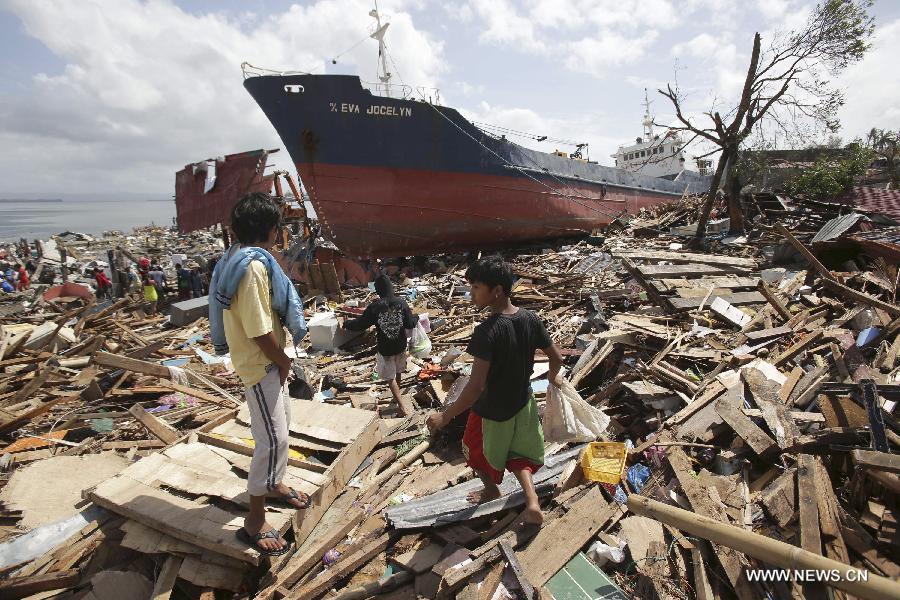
(604, 461)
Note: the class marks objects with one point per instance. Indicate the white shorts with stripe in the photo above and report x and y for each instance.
(270, 413)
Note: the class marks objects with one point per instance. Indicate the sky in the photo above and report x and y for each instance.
(117, 95)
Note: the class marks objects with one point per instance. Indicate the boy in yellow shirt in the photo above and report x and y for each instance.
(251, 301)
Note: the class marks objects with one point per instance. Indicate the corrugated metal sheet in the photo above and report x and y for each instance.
(451, 505)
(235, 176)
(836, 227)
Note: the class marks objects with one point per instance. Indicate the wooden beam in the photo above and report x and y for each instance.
(562, 538)
(851, 294)
(733, 562)
(344, 567)
(165, 581)
(766, 549)
(749, 431)
(774, 300)
(802, 249)
(880, 461)
(22, 587)
(810, 535)
(805, 342)
(157, 427)
(527, 589)
(105, 359)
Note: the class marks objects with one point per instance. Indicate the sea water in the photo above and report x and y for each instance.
(39, 219)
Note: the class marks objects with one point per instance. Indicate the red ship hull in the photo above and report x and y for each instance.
(381, 212)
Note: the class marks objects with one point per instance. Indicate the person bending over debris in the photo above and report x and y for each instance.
(252, 300)
(503, 430)
(104, 285)
(391, 317)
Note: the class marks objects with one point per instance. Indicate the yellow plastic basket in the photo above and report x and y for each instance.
(604, 461)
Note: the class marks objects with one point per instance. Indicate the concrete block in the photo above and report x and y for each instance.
(187, 311)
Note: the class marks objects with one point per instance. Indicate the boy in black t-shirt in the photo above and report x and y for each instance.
(504, 428)
(391, 317)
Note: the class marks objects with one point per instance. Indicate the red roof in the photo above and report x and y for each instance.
(875, 199)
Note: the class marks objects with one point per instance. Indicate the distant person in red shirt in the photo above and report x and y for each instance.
(104, 285)
(24, 281)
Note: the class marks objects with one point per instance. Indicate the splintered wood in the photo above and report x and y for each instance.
(758, 400)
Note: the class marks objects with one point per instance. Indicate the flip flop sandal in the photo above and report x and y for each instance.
(295, 495)
(253, 540)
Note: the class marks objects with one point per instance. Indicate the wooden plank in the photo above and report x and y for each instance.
(774, 412)
(880, 461)
(805, 342)
(703, 285)
(299, 565)
(810, 535)
(772, 298)
(767, 334)
(420, 560)
(491, 581)
(852, 294)
(802, 249)
(105, 359)
(527, 590)
(749, 431)
(203, 525)
(562, 538)
(651, 290)
(321, 421)
(165, 581)
(729, 312)
(719, 260)
(27, 390)
(829, 516)
(344, 567)
(788, 386)
(338, 474)
(679, 270)
(733, 562)
(158, 428)
(737, 299)
(22, 587)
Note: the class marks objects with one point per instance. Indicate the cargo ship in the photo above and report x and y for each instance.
(392, 172)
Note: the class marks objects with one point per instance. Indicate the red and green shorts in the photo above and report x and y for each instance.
(491, 447)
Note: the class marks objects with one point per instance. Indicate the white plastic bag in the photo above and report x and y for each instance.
(601, 554)
(568, 418)
(419, 344)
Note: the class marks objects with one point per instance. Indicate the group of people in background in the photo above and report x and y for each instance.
(15, 278)
(190, 281)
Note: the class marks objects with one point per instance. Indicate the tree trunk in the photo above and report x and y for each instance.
(710, 200)
(732, 189)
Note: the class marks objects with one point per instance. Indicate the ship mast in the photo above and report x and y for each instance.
(648, 119)
(383, 74)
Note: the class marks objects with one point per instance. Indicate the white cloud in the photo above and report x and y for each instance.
(872, 89)
(595, 55)
(505, 26)
(148, 87)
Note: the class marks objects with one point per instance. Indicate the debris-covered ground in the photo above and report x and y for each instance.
(750, 392)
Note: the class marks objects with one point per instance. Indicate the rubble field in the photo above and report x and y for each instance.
(748, 392)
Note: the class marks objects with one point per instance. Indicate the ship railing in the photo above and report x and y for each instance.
(403, 91)
(253, 71)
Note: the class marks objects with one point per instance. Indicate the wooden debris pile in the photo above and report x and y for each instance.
(756, 402)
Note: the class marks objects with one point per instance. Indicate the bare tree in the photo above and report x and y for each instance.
(789, 84)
